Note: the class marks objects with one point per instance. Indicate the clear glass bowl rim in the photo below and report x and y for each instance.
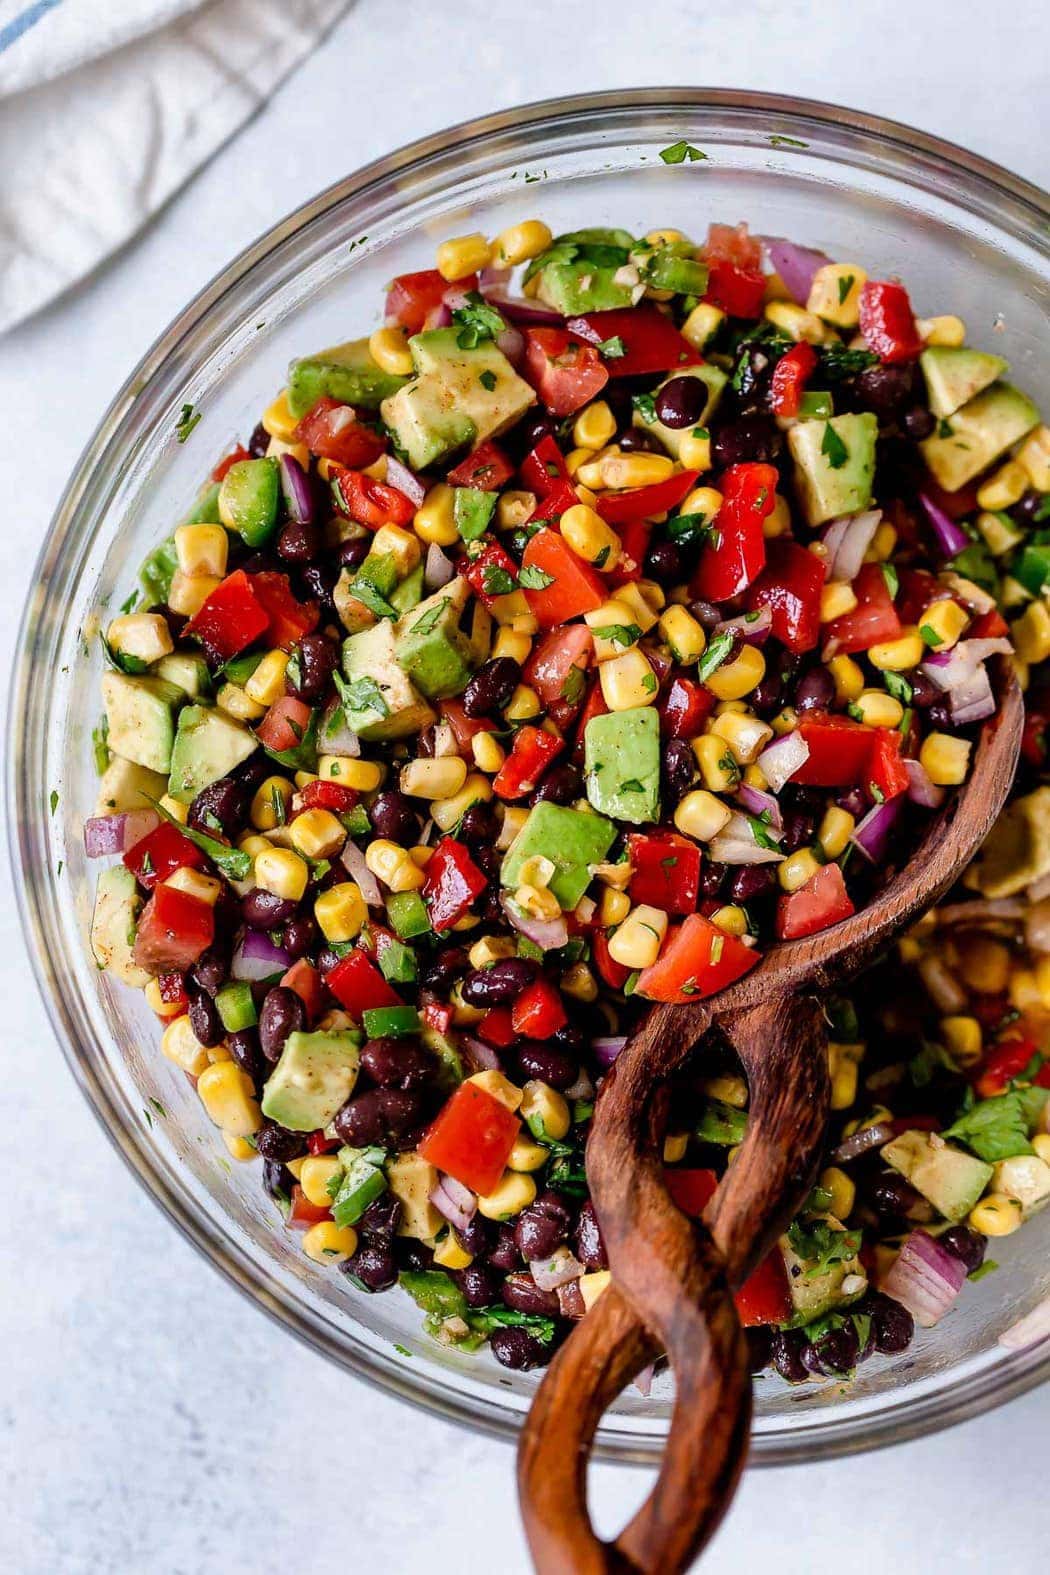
(976, 182)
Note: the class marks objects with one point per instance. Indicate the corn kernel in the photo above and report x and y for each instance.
(513, 509)
(434, 520)
(635, 470)
(227, 1095)
(945, 759)
(834, 294)
(545, 1111)
(239, 1148)
(1034, 458)
(447, 812)
(613, 906)
(595, 1284)
(395, 542)
(798, 323)
(947, 330)
(731, 919)
(498, 1087)
(746, 735)
(996, 1215)
(844, 1085)
(538, 901)
(364, 776)
(1005, 488)
(848, 678)
(514, 1192)
(180, 1044)
(236, 702)
(797, 869)
(740, 676)
(283, 872)
(694, 449)
(1031, 633)
(327, 1242)
(277, 419)
(579, 983)
(834, 832)
(204, 888)
(489, 754)
(1041, 1144)
(388, 348)
(676, 1145)
(875, 708)
(719, 772)
(962, 1038)
(947, 620)
(165, 1010)
(1041, 972)
(463, 255)
(317, 1171)
(526, 1155)
(594, 427)
(317, 834)
(271, 803)
(777, 523)
(836, 598)
(145, 636)
(627, 681)
(639, 606)
(684, 634)
(266, 684)
(589, 536)
(882, 543)
(984, 962)
(637, 942)
(897, 656)
(450, 1253)
(842, 1189)
(188, 593)
(177, 811)
(702, 324)
(490, 949)
(705, 501)
(520, 243)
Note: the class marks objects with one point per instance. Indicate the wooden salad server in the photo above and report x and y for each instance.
(671, 1278)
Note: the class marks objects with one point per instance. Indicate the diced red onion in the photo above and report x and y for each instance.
(973, 701)
(454, 1202)
(482, 1057)
(921, 790)
(440, 317)
(455, 297)
(739, 850)
(439, 568)
(779, 761)
(941, 985)
(547, 934)
(296, 487)
(872, 836)
(847, 540)
(607, 1048)
(754, 626)
(926, 1278)
(758, 803)
(796, 265)
(950, 536)
(1037, 926)
(257, 957)
(527, 314)
(862, 1142)
(353, 861)
(512, 342)
(341, 739)
(493, 278)
(405, 480)
(105, 834)
(975, 596)
(557, 1270)
(643, 1381)
(1030, 1329)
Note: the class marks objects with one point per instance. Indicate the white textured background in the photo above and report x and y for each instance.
(150, 1420)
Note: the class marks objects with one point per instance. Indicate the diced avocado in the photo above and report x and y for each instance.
(967, 442)
(955, 374)
(208, 745)
(248, 500)
(363, 1181)
(117, 904)
(158, 570)
(412, 1179)
(313, 1079)
(949, 1179)
(578, 286)
(1025, 1177)
(379, 570)
(379, 699)
(409, 593)
(1017, 852)
(354, 613)
(447, 1052)
(834, 464)
(125, 785)
(675, 268)
(140, 712)
(813, 1295)
(670, 437)
(345, 372)
(433, 646)
(622, 764)
(186, 672)
(458, 396)
(571, 838)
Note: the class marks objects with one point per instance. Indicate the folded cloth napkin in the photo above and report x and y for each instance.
(107, 108)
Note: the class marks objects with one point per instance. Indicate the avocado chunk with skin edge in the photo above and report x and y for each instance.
(380, 701)
(141, 716)
(434, 648)
(313, 1079)
(344, 372)
(113, 920)
(573, 839)
(459, 395)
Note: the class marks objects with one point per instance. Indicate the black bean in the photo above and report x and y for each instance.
(540, 1230)
(210, 970)
(892, 1325)
(393, 817)
(437, 975)
(799, 829)
(479, 1285)
(679, 767)
(712, 874)
(918, 423)
(924, 691)
(504, 1254)
(636, 440)
(502, 983)
(1029, 506)
(204, 1019)
(520, 1291)
(680, 402)
(491, 686)
(219, 808)
(815, 690)
(551, 1066)
(478, 827)
(353, 553)
(327, 959)
(381, 1218)
(571, 1038)
(380, 1116)
(478, 1237)
(244, 1048)
(961, 1242)
(559, 785)
(588, 1243)
(425, 742)
(316, 659)
(319, 582)
(274, 1142)
(300, 936)
(259, 442)
(282, 1014)
(939, 716)
(884, 389)
(759, 1348)
(769, 695)
(414, 1255)
(750, 438)
(298, 542)
(517, 1349)
(373, 1264)
(750, 881)
(891, 1196)
(394, 1063)
(706, 613)
(786, 1355)
(277, 1181)
(853, 801)
(536, 429)
(834, 1354)
(663, 561)
(264, 910)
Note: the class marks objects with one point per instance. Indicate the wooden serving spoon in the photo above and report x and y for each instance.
(672, 1279)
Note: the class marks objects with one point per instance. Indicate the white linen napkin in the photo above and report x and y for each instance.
(107, 108)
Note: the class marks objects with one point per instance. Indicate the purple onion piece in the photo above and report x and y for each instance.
(950, 536)
(298, 493)
(527, 314)
(257, 957)
(607, 1048)
(921, 790)
(405, 480)
(779, 761)
(862, 1142)
(795, 264)
(872, 836)
(756, 802)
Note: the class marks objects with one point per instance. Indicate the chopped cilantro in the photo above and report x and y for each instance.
(488, 380)
(476, 321)
(188, 419)
(425, 624)
(679, 152)
(930, 635)
(890, 575)
(898, 686)
(778, 140)
(994, 1129)
(846, 284)
(838, 362)
(832, 447)
(717, 651)
(612, 349)
(533, 578)
(645, 405)
(54, 800)
(618, 633)
(232, 862)
(649, 683)
(944, 428)
(496, 581)
(574, 685)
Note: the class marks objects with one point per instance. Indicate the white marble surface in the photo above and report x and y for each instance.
(150, 1420)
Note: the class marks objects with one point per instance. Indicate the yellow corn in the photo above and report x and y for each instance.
(985, 963)
(594, 427)
(145, 636)
(996, 1215)
(364, 776)
(266, 684)
(702, 324)
(684, 634)
(391, 864)
(521, 242)
(180, 1044)
(205, 888)
(188, 592)
(842, 1189)
(947, 620)
(498, 1087)
(746, 735)
(594, 1285)
(896, 656)
(635, 470)
(341, 912)
(589, 536)
(1034, 458)
(731, 919)
(239, 1148)
(1031, 633)
(637, 942)
(177, 811)
(947, 330)
(283, 872)
(489, 754)
(797, 323)
(962, 1038)
(797, 869)
(513, 643)
(836, 828)
(719, 772)
(778, 523)
(740, 676)
(401, 545)
(945, 759)
(271, 803)
(627, 681)
(436, 778)
(236, 702)
(730, 1089)
(317, 834)
(882, 544)
(513, 509)
(836, 598)
(639, 598)
(327, 1242)
(317, 1171)
(388, 348)
(447, 812)
(463, 255)
(844, 1085)
(229, 1098)
(875, 708)
(834, 294)
(523, 704)
(847, 677)
(526, 1155)
(694, 449)
(579, 983)
(539, 901)
(676, 1145)
(434, 520)
(514, 1192)
(544, 1108)
(450, 1253)
(1005, 488)
(156, 1003)
(277, 419)
(705, 501)
(613, 906)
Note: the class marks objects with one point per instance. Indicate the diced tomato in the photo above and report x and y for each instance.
(231, 618)
(452, 883)
(173, 930)
(538, 1011)
(697, 960)
(886, 771)
(317, 1143)
(556, 670)
(328, 795)
(549, 509)
(651, 342)
(487, 468)
(303, 1213)
(234, 457)
(465, 727)
(823, 900)
(414, 297)
(304, 979)
(732, 243)
(543, 467)
(370, 502)
(874, 618)
(358, 985)
(572, 587)
(765, 1296)
(666, 871)
(839, 751)
(790, 376)
(289, 619)
(530, 755)
(1002, 1063)
(614, 974)
(437, 1016)
(485, 573)
(922, 1123)
(634, 544)
(739, 292)
(497, 1028)
(333, 431)
(887, 321)
(471, 1138)
(565, 375)
(684, 707)
(990, 625)
(1042, 1077)
(161, 853)
(737, 552)
(957, 505)
(918, 588)
(285, 724)
(691, 1190)
(640, 503)
(172, 988)
(790, 586)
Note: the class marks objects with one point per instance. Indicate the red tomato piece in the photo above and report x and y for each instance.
(550, 508)
(538, 1011)
(303, 1213)
(556, 667)
(990, 625)
(651, 342)
(634, 544)
(640, 503)
(822, 901)
(737, 552)
(594, 705)
(328, 795)
(161, 853)
(487, 468)
(285, 724)
(739, 292)
(452, 883)
(886, 771)
(173, 930)
(234, 457)
(839, 752)
(697, 960)
(565, 375)
(887, 321)
(173, 989)
(317, 1143)
(790, 586)
(530, 755)
(790, 376)
(471, 1138)
(765, 1296)
(614, 974)
(333, 431)
(488, 574)
(874, 618)
(437, 1016)
(684, 707)
(666, 871)
(415, 297)
(465, 727)
(732, 243)
(1002, 1063)
(572, 587)
(543, 467)
(370, 502)
(231, 618)
(358, 985)
(289, 619)
(303, 978)
(497, 1029)
(691, 1190)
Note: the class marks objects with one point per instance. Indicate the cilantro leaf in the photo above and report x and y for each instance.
(819, 1246)
(679, 152)
(422, 625)
(898, 686)
(832, 447)
(188, 419)
(233, 862)
(618, 633)
(717, 651)
(994, 1129)
(612, 349)
(533, 578)
(496, 581)
(476, 321)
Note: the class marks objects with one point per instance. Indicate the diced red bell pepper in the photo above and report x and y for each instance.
(1042, 1077)
(306, 982)
(571, 586)
(415, 297)
(923, 1123)
(497, 1029)
(303, 1214)
(613, 973)
(691, 1190)
(234, 457)
(328, 795)
(697, 960)
(822, 901)
(634, 544)
(736, 553)
(289, 619)
(918, 588)
(789, 379)
(684, 707)
(732, 243)
(173, 930)
(285, 724)
(593, 706)
(887, 321)
(486, 468)
(471, 1138)
(549, 509)
(370, 502)
(839, 751)
(358, 985)
(990, 625)
(957, 505)
(465, 727)
(543, 467)
(530, 755)
(886, 775)
(556, 670)
(172, 988)
(1002, 1063)
(665, 871)
(317, 1143)
(333, 431)
(790, 586)
(565, 375)
(641, 503)
(651, 342)
(765, 1296)
(873, 620)
(739, 292)
(231, 618)
(452, 883)
(161, 853)
(538, 1011)
(482, 577)
(437, 1016)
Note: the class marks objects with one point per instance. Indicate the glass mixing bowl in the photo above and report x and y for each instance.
(966, 236)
